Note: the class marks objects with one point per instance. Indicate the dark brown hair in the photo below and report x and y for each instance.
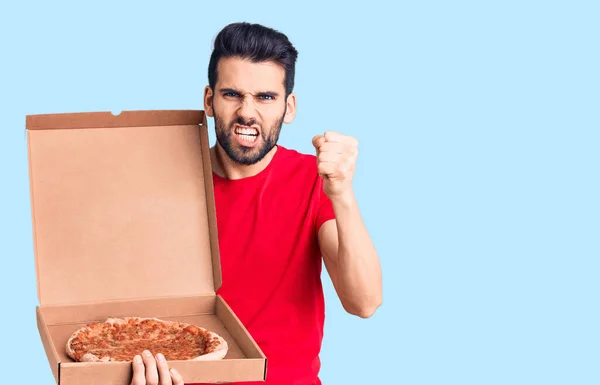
(256, 43)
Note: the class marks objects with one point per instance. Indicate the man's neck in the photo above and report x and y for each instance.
(223, 166)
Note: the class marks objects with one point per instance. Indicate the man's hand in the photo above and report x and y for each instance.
(151, 370)
(336, 160)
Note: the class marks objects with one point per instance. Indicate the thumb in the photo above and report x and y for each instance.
(318, 141)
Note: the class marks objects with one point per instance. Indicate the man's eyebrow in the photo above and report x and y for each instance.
(265, 93)
(268, 93)
(229, 90)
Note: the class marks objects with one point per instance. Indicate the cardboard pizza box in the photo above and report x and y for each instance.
(124, 224)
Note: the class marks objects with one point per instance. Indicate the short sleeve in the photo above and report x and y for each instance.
(325, 208)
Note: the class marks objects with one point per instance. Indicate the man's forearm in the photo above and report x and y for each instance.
(358, 267)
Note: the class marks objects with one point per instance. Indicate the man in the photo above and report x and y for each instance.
(278, 211)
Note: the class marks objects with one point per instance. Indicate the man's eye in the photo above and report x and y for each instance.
(230, 94)
(266, 97)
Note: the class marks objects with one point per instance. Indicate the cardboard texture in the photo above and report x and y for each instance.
(124, 224)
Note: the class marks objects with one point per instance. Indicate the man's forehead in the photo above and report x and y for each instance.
(247, 76)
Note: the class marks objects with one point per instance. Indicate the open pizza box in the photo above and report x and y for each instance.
(124, 225)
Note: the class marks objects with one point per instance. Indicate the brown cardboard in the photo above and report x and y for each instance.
(124, 225)
(48, 344)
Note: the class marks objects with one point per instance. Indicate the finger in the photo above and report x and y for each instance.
(177, 379)
(139, 377)
(327, 169)
(151, 371)
(164, 377)
(333, 136)
(318, 140)
(332, 147)
(332, 157)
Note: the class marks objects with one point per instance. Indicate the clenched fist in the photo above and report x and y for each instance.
(336, 160)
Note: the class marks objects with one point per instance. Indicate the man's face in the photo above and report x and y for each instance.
(249, 108)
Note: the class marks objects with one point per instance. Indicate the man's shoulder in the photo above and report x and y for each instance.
(293, 164)
(292, 156)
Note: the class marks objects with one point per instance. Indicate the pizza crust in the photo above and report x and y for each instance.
(218, 351)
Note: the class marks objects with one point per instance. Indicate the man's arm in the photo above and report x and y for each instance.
(348, 251)
(351, 260)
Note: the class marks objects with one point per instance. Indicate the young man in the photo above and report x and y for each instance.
(280, 213)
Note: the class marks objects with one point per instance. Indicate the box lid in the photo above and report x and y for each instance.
(122, 206)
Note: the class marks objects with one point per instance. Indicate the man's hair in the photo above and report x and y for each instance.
(256, 43)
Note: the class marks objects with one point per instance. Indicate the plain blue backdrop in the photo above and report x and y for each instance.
(478, 125)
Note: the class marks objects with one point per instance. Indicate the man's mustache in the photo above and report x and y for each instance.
(243, 122)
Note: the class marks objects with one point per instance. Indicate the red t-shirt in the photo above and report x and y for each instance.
(271, 263)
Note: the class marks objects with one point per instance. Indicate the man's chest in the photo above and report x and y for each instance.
(263, 234)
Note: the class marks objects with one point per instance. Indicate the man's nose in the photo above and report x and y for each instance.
(248, 108)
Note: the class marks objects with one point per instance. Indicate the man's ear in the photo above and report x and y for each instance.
(208, 101)
(290, 113)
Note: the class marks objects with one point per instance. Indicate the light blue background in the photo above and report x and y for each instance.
(477, 177)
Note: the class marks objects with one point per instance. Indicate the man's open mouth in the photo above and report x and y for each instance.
(247, 134)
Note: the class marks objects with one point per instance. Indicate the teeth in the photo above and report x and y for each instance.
(246, 131)
(248, 138)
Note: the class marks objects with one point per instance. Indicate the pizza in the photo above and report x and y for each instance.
(120, 339)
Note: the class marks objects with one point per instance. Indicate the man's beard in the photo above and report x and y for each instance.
(246, 155)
